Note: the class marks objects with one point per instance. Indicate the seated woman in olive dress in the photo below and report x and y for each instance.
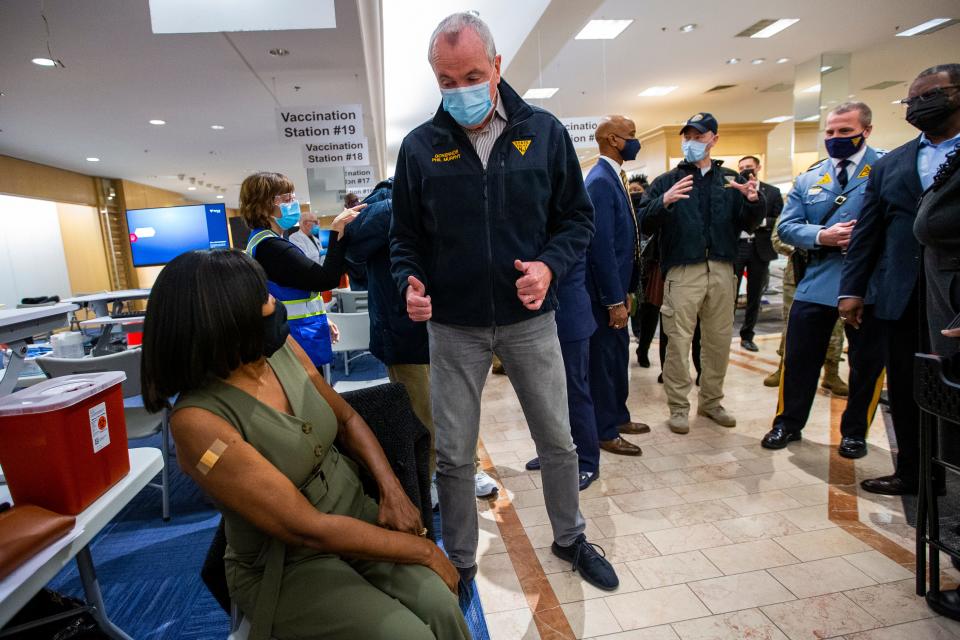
(308, 554)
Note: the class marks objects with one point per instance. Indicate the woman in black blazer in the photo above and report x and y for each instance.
(937, 227)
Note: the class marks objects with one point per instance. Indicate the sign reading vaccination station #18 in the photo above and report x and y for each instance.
(581, 130)
(347, 153)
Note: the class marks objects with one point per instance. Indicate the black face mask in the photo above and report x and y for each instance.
(930, 114)
(275, 330)
(636, 197)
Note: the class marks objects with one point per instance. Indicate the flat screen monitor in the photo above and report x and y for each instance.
(324, 239)
(157, 236)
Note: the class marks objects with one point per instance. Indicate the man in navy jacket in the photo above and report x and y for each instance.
(489, 213)
(612, 272)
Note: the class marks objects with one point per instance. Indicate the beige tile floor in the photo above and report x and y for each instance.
(713, 537)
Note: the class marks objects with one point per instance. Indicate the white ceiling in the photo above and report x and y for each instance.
(604, 76)
(119, 75)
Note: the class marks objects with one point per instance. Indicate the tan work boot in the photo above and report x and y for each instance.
(719, 415)
(772, 380)
(832, 381)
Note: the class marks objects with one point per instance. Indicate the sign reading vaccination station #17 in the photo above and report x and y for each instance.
(356, 179)
(581, 130)
(326, 123)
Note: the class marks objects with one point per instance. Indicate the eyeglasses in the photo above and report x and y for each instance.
(929, 95)
(285, 198)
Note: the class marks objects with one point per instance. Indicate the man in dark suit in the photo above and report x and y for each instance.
(883, 263)
(755, 252)
(612, 273)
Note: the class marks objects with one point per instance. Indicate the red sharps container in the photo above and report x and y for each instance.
(63, 442)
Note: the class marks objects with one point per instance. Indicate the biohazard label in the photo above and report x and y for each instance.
(99, 428)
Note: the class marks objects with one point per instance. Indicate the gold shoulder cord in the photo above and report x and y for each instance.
(211, 456)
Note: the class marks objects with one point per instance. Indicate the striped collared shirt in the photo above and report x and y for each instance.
(483, 139)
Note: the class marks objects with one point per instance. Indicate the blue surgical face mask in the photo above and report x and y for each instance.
(694, 150)
(289, 214)
(631, 147)
(315, 232)
(468, 105)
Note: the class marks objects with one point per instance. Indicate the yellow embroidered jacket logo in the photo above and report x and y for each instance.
(447, 156)
(522, 146)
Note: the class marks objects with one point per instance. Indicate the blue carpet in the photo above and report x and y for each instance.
(149, 570)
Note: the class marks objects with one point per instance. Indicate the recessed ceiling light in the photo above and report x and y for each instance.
(825, 68)
(217, 127)
(541, 93)
(687, 28)
(158, 122)
(775, 27)
(779, 119)
(897, 101)
(927, 27)
(782, 60)
(279, 52)
(92, 159)
(655, 91)
(813, 118)
(758, 61)
(733, 60)
(602, 29)
(814, 88)
(191, 188)
(220, 196)
(44, 62)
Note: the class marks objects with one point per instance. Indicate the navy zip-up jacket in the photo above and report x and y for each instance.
(394, 337)
(458, 228)
(692, 232)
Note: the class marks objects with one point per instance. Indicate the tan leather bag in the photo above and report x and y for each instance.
(25, 531)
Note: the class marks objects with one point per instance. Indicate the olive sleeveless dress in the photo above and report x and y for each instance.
(296, 592)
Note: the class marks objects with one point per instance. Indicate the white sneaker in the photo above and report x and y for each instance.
(484, 485)
(678, 422)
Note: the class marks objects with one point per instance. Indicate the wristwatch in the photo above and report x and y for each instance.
(614, 306)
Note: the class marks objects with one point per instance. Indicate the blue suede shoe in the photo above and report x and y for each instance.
(592, 566)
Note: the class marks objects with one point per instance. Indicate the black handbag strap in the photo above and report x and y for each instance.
(837, 203)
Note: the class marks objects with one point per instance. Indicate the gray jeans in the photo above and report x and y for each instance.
(460, 358)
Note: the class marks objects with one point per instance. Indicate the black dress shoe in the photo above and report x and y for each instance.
(749, 345)
(946, 603)
(587, 478)
(467, 574)
(592, 566)
(852, 447)
(643, 359)
(889, 486)
(778, 438)
(533, 465)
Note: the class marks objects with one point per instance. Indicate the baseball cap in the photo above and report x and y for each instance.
(702, 122)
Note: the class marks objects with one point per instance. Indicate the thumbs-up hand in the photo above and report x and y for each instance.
(419, 307)
(533, 284)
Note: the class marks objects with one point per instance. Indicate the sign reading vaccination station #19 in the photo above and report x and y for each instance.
(581, 130)
(325, 123)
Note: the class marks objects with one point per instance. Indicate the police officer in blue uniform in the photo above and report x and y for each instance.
(819, 217)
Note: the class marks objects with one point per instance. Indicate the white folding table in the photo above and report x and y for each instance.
(99, 301)
(20, 586)
(17, 325)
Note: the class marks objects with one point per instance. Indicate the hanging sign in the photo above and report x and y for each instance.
(328, 123)
(350, 153)
(581, 130)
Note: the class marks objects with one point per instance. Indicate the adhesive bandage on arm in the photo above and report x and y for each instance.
(211, 456)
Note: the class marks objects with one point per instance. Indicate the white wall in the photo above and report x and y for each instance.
(32, 261)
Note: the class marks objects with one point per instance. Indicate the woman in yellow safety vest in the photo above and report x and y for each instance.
(269, 206)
